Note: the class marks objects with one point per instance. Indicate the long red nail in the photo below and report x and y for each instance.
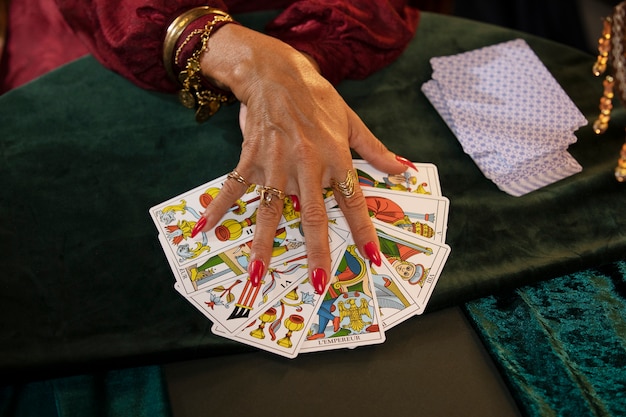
(319, 280)
(199, 226)
(296, 202)
(256, 269)
(406, 162)
(373, 254)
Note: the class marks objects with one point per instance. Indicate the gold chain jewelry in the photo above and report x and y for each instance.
(185, 42)
(604, 47)
(606, 105)
(176, 28)
(196, 93)
(599, 68)
(611, 55)
(620, 169)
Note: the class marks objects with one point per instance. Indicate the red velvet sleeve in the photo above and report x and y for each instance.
(127, 36)
(348, 38)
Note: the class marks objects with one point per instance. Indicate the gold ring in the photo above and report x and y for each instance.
(268, 193)
(234, 175)
(346, 187)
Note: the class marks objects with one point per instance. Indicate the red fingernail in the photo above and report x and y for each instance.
(319, 279)
(296, 202)
(373, 254)
(199, 226)
(406, 162)
(256, 269)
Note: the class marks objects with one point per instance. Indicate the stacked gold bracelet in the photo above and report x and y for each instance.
(196, 93)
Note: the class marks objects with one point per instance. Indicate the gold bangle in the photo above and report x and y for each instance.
(176, 28)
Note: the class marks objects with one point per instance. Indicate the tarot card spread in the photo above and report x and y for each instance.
(284, 315)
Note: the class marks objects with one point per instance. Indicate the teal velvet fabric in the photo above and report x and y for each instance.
(561, 344)
(84, 154)
(133, 392)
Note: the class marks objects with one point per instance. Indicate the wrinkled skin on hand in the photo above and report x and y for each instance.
(297, 135)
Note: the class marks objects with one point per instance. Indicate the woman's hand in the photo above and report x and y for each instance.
(297, 135)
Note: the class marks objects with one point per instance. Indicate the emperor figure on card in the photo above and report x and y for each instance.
(349, 308)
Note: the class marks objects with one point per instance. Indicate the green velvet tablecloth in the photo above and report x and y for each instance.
(84, 154)
(560, 344)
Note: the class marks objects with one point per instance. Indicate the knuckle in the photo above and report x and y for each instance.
(230, 188)
(355, 203)
(314, 216)
(362, 229)
(269, 213)
(260, 247)
(318, 256)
